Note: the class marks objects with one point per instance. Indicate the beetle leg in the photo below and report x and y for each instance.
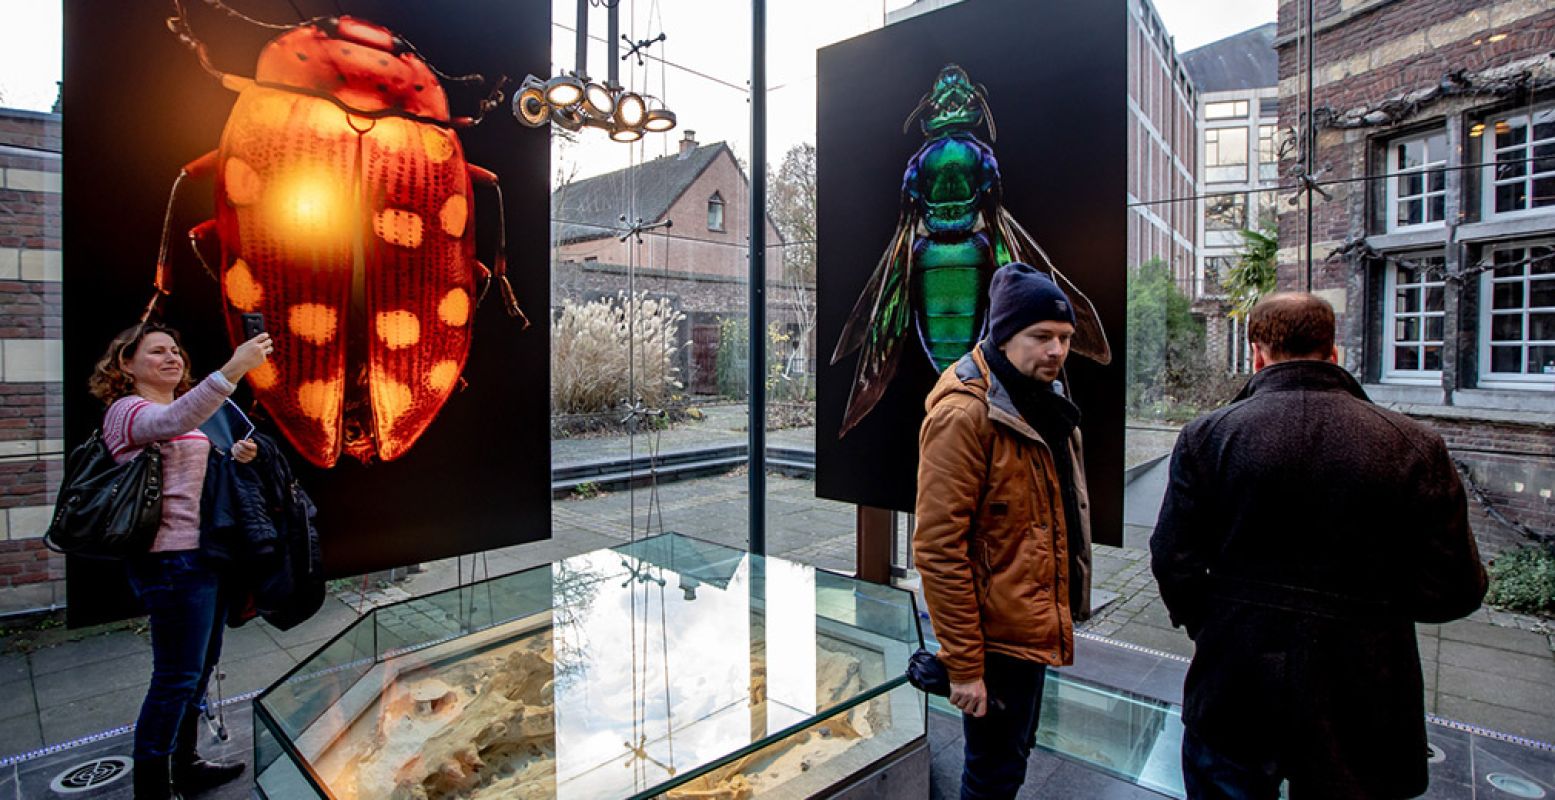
(201, 236)
(198, 168)
(479, 175)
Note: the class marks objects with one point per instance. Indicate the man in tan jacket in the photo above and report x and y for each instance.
(1003, 539)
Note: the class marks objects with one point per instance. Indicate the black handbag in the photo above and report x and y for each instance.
(105, 509)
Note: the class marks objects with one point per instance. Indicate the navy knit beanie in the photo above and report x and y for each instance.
(1021, 296)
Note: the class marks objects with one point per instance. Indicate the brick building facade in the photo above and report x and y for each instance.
(31, 402)
(1162, 152)
(1441, 264)
(699, 263)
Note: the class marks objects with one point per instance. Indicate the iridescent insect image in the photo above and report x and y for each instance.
(952, 232)
(344, 217)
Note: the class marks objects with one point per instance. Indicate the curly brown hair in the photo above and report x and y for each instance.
(109, 381)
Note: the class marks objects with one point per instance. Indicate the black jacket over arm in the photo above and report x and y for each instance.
(1304, 532)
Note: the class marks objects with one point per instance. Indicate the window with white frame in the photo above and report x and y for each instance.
(1417, 188)
(715, 212)
(1225, 155)
(1517, 317)
(1268, 154)
(1520, 161)
(1225, 212)
(1229, 109)
(1416, 314)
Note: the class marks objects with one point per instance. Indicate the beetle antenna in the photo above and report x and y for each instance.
(236, 14)
(179, 25)
(474, 77)
(923, 103)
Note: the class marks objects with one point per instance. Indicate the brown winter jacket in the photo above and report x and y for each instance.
(992, 542)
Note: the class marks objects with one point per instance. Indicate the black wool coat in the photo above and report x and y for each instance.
(1304, 532)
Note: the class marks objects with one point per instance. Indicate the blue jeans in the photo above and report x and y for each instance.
(1208, 774)
(999, 743)
(182, 593)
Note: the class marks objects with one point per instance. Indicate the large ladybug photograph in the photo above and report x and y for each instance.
(328, 171)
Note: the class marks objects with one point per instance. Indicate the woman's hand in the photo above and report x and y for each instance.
(249, 354)
(244, 451)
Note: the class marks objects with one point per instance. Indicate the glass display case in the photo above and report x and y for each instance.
(666, 667)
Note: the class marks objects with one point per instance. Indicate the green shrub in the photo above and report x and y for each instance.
(1524, 580)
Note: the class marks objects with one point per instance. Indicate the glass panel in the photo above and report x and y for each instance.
(1408, 299)
(1135, 738)
(1437, 209)
(1435, 298)
(1509, 263)
(1543, 261)
(1408, 329)
(1230, 147)
(1541, 327)
(1408, 275)
(1506, 327)
(1406, 358)
(1544, 124)
(1433, 358)
(1410, 212)
(1433, 329)
(1544, 157)
(1506, 359)
(1507, 295)
(646, 655)
(1541, 294)
(1411, 185)
(297, 701)
(1543, 191)
(1409, 154)
(1436, 147)
(1438, 180)
(1511, 132)
(1541, 360)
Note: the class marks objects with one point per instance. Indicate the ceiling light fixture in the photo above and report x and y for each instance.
(573, 102)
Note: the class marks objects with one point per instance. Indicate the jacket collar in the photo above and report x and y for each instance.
(1303, 375)
(972, 369)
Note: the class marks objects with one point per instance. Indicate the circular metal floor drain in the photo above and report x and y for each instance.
(1514, 786)
(1436, 755)
(90, 775)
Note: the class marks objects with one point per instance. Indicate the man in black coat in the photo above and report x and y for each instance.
(1303, 534)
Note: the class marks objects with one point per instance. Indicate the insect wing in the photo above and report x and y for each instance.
(1090, 339)
(886, 301)
(288, 212)
(420, 276)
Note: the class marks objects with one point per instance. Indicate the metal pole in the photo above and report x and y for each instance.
(581, 64)
(613, 35)
(757, 424)
(1311, 134)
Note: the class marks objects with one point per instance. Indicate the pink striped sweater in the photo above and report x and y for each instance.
(134, 421)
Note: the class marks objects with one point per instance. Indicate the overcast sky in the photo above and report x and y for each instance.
(710, 37)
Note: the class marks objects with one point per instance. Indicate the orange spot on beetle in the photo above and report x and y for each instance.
(320, 400)
(454, 308)
(398, 227)
(456, 212)
(441, 377)
(243, 184)
(398, 329)
(313, 323)
(243, 292)
(263, 376)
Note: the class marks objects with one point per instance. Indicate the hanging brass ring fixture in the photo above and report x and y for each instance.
(574, 102)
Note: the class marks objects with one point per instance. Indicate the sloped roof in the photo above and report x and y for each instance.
(592, 208)
(1242, 61)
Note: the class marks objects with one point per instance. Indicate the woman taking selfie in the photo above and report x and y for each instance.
(144, 380)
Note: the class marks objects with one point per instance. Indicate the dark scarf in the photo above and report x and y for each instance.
(1054, 418)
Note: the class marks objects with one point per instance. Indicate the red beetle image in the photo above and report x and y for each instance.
(344, 218)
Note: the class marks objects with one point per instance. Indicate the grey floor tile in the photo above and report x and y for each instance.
(1070, 780)
(1535, 669)
(1512, 639)
(1452, 777)
(1430, 647)
(1520, 721)
(13, 667)
(1498, 690)
(107, 647)
(1172, 641)
(64, 686)
(19, 734)
(91, 715)
(258, 672)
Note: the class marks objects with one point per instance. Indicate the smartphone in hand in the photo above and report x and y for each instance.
(253, 325)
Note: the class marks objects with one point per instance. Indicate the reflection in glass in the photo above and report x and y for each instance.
(625, 672)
